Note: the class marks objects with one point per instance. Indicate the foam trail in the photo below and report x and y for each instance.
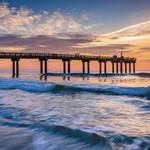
(93, 140)
(77, 134)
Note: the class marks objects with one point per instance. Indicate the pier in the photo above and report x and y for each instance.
(120, 65)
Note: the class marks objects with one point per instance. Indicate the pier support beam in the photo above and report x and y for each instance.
(43, 65)
(125, 67)
(134, 67)
(117, 70)
(129, 67)
(121, 67)
(15, 67)
(105, 67)
(64, 66)
(113, 68)
(100, 67)
(83, 67)
(88, 67)
(68, 66)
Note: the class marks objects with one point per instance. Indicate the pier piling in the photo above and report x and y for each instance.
(129, 67)
(113, 68)
(100, 67)
(105, 67)
(125, 67)
(134, 67)
(68, 66)
(121, 67)
(88, 67)
(15, 67)
(83, 67)
(64, 66)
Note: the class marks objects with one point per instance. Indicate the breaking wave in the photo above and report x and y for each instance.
(37, 86)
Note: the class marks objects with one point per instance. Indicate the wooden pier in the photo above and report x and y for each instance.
(127, 64)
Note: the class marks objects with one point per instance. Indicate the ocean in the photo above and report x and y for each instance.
(75, 112)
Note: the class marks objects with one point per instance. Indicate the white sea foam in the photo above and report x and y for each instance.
(27, 85)
(37, 86)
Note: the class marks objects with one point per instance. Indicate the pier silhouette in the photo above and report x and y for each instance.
(122, 64)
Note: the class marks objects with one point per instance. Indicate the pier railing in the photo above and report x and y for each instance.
(61, 56)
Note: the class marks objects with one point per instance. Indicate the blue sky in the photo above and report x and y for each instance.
(113, 14)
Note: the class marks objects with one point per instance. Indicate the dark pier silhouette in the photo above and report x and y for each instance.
(127, 64)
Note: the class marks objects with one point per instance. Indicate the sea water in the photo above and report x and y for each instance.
(75, 112)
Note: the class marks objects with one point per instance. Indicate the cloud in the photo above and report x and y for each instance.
(138, 33)
(21, 28)
(86, 17)
(108, 49)
(93, 27)
(43, 42)
(139, 30)
(4, 10)
(11, 49)
(23, 21)
(80, 36)
(145, 48)
(138, 16)
(69, 43)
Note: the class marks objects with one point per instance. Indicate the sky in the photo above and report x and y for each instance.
(97, 27)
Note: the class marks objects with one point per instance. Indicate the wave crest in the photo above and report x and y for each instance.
(36, 86)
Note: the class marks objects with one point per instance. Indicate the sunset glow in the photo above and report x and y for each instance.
(74, 74)
(102, 29)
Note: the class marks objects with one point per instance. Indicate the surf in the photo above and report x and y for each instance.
(37, 86)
